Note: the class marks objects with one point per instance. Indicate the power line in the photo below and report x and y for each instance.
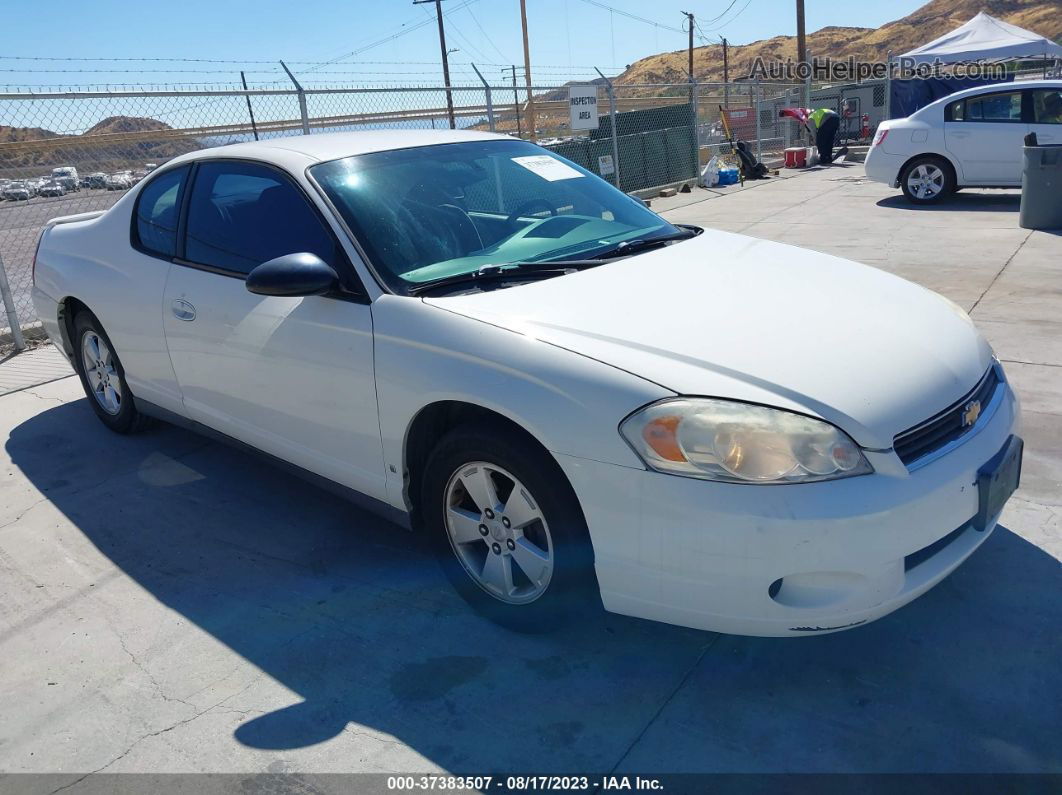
(725, 12)
(478, 53)
(731, 20)
(386, 39)
(490, 41)
(635, 17)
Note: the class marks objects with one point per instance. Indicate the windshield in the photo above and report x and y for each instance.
(431, 212)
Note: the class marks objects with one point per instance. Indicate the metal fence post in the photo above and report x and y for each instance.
(490, 102)
(9, 309)
(757, 99)
(615, 133)
(695, 100)
(250, 110)
(302, 101)
(888, 85)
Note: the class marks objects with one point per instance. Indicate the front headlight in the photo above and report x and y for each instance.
(740, 443)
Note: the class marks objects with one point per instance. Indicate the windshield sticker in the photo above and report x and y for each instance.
(549, 168)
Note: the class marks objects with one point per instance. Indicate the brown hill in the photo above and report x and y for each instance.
(125, 124)
(113, 143)
(12, 134)
(864, 44)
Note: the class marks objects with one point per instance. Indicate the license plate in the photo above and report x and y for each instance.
(997, 480)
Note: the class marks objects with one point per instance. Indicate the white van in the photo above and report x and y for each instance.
(64, 171)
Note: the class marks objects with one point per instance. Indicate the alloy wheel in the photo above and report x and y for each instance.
(101, 373)
(498, 532)
(926, 181)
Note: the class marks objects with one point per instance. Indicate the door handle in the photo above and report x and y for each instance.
(182, 310)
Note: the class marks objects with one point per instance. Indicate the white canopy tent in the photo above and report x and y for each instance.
(985, 38)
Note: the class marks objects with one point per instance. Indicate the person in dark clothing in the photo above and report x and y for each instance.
(825, 135)
(825, 123)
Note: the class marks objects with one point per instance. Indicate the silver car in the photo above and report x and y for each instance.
(18, 191)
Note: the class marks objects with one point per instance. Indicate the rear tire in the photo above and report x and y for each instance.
(103, 378)
(507, 529)
(927, 180)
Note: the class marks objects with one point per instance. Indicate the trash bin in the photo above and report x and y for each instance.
(1041, 186)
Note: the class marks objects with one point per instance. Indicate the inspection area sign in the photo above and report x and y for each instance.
(582, 102)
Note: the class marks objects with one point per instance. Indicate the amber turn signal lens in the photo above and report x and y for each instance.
(659, 434)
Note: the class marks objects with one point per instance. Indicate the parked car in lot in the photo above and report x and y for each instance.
(97, 180)
(52, 188)
(973, 138)
(18, 191)
(67, 176)
(569, 395)
(65, 171)
(120, 180)
(69, 184)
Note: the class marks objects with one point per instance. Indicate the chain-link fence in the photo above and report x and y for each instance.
(75, 152)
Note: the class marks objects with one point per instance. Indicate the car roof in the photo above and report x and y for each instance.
(331, 146)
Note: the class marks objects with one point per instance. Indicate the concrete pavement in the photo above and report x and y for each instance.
(38, 365)
(170, 605)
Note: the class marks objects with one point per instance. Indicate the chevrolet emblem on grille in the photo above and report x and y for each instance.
(970, 412)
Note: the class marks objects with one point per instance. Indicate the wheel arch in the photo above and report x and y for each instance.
(435, 420)
(69, 307)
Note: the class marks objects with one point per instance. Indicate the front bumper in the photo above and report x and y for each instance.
(709, 555)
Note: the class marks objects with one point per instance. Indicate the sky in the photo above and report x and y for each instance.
(379, 41)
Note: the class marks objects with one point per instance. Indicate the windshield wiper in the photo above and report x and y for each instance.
(627, 247)
(508, 271)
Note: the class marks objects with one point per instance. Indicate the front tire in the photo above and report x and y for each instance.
(507, 529)
(927, 180)
(103, 378)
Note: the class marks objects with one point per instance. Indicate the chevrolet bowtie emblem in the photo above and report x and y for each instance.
(970, 412)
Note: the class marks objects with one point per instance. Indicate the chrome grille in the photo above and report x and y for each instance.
(927, 437)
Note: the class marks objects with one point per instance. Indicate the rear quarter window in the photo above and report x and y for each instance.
(157, 209)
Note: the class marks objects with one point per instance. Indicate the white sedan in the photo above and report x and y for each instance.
(568, 394)
(973, 138)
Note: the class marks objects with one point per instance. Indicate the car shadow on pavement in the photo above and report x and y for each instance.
(351, 614)
(971, 202)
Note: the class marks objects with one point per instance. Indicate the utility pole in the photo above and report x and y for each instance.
(802, 45)
(689, 19)
(445, 58)
(527, 73)
(516, 100)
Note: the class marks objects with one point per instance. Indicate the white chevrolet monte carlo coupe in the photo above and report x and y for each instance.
(568, 394)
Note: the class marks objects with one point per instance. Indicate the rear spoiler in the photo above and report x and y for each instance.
(69, 219)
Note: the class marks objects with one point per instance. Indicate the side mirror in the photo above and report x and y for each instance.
(292, 275)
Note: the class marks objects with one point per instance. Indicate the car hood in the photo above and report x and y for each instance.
(731, 316)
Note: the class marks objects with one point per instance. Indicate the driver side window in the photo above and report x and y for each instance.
(242, 214)
(1047, 106)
